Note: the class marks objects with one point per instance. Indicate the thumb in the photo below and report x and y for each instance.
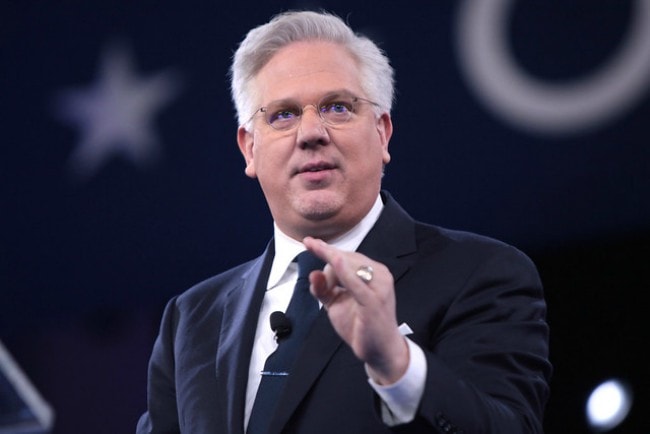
(318, 284)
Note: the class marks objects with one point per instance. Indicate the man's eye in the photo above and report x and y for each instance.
(283, 115)
(337, 107)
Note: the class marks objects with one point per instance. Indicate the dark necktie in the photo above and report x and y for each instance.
(302, 310)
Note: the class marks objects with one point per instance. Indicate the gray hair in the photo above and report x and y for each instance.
(261, 43)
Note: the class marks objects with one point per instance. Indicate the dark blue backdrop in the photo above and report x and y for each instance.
(89, 254)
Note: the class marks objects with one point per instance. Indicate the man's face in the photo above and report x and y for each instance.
(318, 179)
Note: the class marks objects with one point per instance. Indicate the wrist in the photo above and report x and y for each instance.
(390, 369)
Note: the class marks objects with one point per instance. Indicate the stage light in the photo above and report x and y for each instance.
(608, 405)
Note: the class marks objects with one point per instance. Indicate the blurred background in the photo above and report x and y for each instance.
(121, 183)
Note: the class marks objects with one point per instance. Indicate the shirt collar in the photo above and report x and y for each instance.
(286, 248)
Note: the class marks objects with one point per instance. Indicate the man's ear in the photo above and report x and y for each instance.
(245, 140)
(385, 130)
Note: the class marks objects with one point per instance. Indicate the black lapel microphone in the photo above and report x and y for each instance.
(280, 324)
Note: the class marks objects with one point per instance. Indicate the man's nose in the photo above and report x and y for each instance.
(312, 130)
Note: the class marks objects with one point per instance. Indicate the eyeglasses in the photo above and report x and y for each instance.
(333, 110)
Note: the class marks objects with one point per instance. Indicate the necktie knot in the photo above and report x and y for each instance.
(308, 262)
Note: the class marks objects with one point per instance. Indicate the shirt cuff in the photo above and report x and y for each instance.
(400, 400)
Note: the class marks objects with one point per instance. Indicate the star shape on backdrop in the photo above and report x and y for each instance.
(115, 115)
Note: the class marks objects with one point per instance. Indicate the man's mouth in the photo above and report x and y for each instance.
(317, 167)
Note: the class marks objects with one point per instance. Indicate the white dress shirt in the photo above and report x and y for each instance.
(400, 399)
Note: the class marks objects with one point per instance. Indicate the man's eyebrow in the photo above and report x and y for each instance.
(329, 95)
(282, 101)
(337, 93)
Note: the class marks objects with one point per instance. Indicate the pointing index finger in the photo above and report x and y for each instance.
(320, 248)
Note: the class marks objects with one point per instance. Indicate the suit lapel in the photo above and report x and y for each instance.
(392, 239)
(238, 325)
(318, 349)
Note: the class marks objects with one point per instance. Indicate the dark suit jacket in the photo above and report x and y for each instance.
(475, 306)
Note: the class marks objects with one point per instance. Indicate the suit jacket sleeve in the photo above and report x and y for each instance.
(162, 413)
(485, 337)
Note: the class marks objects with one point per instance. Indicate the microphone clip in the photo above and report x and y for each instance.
(280, 324)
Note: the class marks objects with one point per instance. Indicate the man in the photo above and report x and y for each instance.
(421, 329)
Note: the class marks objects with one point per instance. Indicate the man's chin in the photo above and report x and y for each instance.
(319, 205)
